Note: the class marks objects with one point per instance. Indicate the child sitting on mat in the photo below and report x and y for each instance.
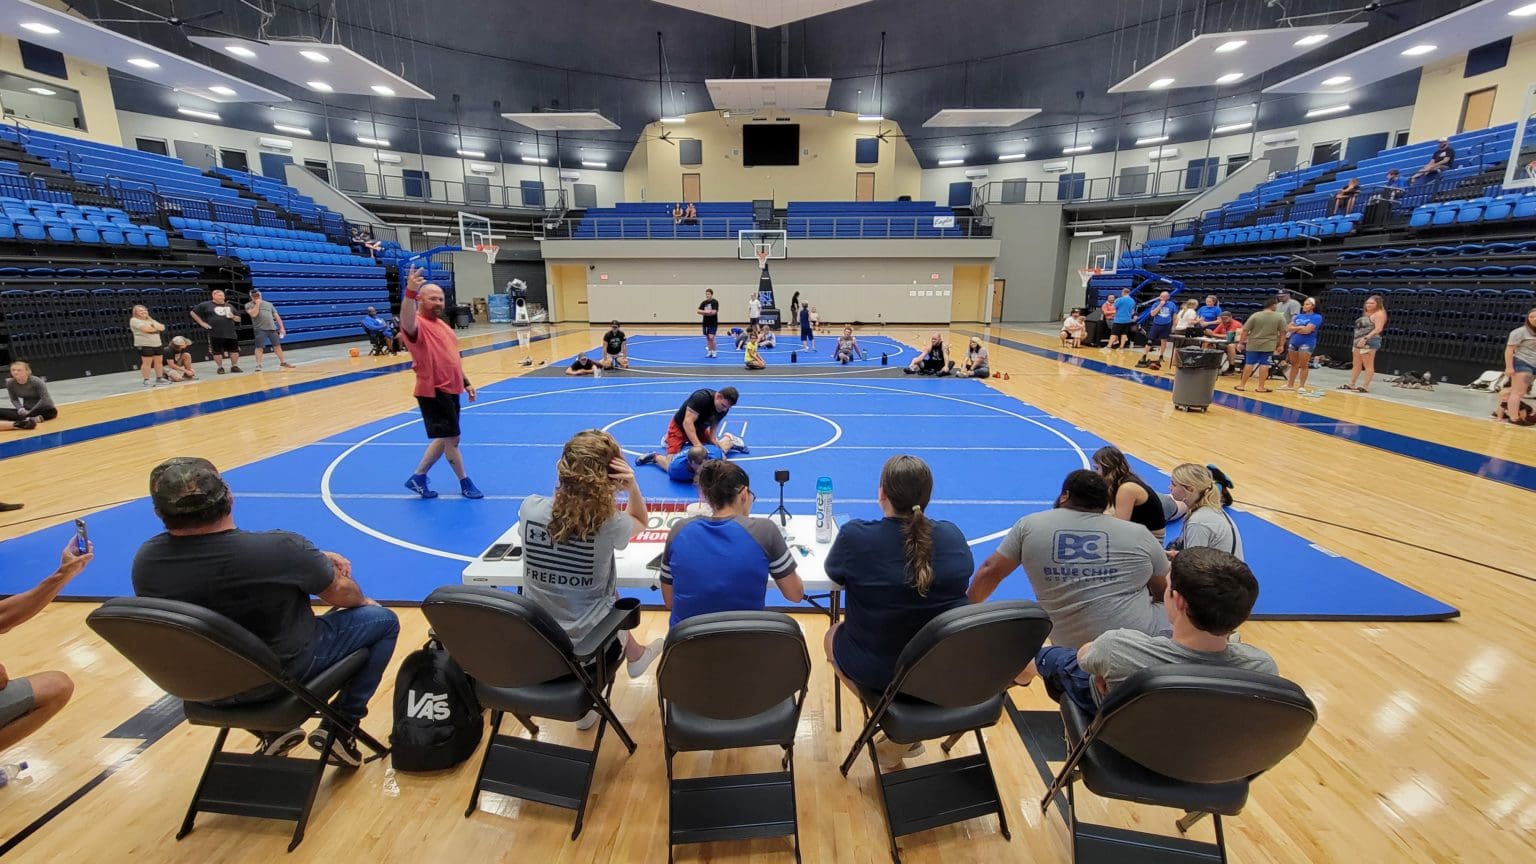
(846, 347)
(754, 359)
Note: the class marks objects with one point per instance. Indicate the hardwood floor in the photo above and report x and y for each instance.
(1422, 752)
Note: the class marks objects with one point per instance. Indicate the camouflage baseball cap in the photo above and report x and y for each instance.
(185, 485)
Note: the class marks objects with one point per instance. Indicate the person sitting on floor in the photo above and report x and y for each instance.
(1208, 596)
(847, 347)
(754, 359)
(1073, 329)
(30, 402)
(975, 364)
(178, 359)
(582, 365)
(932, 360)
(27, 703)
(765, 337)
(1207, 523)
(263, 581)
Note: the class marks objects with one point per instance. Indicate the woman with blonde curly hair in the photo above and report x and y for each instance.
(569, 539)
(1208, 523)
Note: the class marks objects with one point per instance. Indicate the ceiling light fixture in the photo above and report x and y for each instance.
(1233, 127)
(1525, 11)
(222, 90)
(535, 160)
(1011, 157)
(1336, 80)
(472, 154)
(1081, 148)
(948, 162)
(240, 51)
(373, 142)
(292, 130)
(1155, 139)
(675, 121)
(1229, 47)
(44, 29)
(382, 90)
(586, 164)
(319, 86)
(1420, 50)
(142, 63)
(1230, 77)
(1308, 41)
(1160, 83)
(871, 118)
(1324, 112)
(42, 91)
(193, 112)
(314, 56)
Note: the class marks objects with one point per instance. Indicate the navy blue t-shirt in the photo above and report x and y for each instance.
(884, 609)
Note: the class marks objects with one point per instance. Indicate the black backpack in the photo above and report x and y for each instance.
(438, 720)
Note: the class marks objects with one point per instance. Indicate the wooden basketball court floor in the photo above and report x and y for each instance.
(1423, 751)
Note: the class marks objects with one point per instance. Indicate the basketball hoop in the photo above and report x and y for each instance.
(1087, 274)
(763, 250)
(489, 251)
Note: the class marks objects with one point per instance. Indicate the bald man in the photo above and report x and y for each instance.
(439, 380)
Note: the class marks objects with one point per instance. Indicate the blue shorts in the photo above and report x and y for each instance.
(1371, 344)
(1304, 347)
(1063, 677)
(1159, 332)
(806, 335)
(1524, 368)
(1257, 358)
(710, 329)
(267, 339)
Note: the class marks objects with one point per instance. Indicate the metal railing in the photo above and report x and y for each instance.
(1070, 188)
(796, 228)
(392, 187)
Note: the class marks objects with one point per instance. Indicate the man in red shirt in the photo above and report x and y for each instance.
(439, 380)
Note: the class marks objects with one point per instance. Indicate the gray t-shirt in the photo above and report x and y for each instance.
(262, 318)
(143, 336)
(1211, 527)
(574, 581)
(1119, 654)
(31, 396)
(1089, 572)
(1525, 344)
(1288, 309)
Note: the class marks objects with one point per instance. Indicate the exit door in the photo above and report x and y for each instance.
(864, 186)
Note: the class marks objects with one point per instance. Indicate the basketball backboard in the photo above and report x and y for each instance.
(1103, 254)
(749, 244)
(1520, 171)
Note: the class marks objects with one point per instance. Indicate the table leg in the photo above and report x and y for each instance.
(835, 604)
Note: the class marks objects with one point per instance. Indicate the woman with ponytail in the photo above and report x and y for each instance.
(897, 573)
(1208, 523)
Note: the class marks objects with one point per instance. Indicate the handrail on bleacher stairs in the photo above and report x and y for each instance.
(1168, 183)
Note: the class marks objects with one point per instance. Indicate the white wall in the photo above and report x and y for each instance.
(936, 181)
(610, 184)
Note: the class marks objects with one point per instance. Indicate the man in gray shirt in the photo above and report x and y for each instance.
(1209, 595)
(1287, 306)
(269, 329)
(1090, 571)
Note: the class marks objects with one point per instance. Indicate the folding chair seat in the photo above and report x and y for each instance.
(203, 658)
(732, 680)
(1164, 737)
(523, 664)
(950, 679)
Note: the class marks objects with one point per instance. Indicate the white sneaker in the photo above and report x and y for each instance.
(587, 721)
(892, 754)
(638, 666)
(258, 367)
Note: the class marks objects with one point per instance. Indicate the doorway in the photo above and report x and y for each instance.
(999, 287)
(691, 191)
(1477, 110)
(568, 285)
(864, 186)
(968, 292)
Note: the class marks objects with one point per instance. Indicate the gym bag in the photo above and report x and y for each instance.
(438, 720)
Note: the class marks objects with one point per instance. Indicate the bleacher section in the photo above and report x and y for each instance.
(718, 220)
(320, 288)
(288, 198)
(868, 219)
(1333, 226)
(803, 220)
(1264, 199)
(48, 221)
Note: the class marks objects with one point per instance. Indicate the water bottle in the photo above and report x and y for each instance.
(824, 510)
(9, 772)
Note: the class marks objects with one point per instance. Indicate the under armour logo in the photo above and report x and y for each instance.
(538, 534)
(1078, 546)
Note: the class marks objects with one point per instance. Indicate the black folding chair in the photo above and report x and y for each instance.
(204, 658)
(1190, 737)
(729, 680)
(951, 679)
(523, 664)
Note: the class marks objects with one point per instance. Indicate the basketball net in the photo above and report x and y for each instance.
(490, 252)
(763, 250)
(1087, 273)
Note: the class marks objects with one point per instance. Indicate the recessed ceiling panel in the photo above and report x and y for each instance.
(997, 118)
(1227, 59)
(764, 13)
(1446, 36)
(96, 44)
(319, 67)
(755, 94)
(561, 121)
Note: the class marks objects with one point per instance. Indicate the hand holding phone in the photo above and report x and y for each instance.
(82, 538)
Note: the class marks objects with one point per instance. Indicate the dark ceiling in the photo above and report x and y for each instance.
(603, 55)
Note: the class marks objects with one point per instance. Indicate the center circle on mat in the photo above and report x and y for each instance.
(837, 432)
(788, 341)
(329, 499)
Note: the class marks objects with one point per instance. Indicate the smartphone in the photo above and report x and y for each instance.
(497, 552)
(82, 538)
(514, 553)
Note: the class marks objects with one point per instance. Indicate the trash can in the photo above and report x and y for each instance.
(1194, 382)
(461, 316)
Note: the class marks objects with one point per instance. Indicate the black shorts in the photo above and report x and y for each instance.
(1158, 333)
(711, 329)
(147, 351)
(440, 414)
(1118, 329)
(220, 345)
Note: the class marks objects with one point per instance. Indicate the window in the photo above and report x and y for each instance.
(1400, 139)
(152, 145)
(1069, 187)
(1236, 162)
(234, 160)
(1133, 180)
(1326, 151)
(40, 102)
(320, 168)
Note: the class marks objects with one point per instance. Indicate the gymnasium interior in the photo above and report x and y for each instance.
(972, 173)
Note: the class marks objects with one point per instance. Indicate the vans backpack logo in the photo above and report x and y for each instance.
(428, 706)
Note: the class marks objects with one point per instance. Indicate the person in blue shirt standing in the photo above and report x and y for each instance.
(723, 562)
(807, 335)
(1125, 314)
(1210, 313)
(1301, 338)
(1161, 318)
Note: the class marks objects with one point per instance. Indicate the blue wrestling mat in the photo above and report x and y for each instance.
(345, 493)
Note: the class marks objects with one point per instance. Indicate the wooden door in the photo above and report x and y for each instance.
(998, 286)
(691, 188)
(1477, 110)
(969, 292)
(864, 186)
(569, 290)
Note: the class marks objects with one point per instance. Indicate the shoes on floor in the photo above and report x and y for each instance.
(26, 423)
(286, 365)
(279, 743)
(645, 459)
(6, 508)
(343, 751)
(418, 484)
(587, 721)
(235, 367)
(638, 666)
(468, 489)
(891, 754)
(527, 361)
(221, 370)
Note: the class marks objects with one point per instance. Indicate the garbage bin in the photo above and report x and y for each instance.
(1194, 382)
(462, 316)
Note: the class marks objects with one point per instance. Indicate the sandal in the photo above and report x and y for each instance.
(1263, 390)
(1346, 387)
